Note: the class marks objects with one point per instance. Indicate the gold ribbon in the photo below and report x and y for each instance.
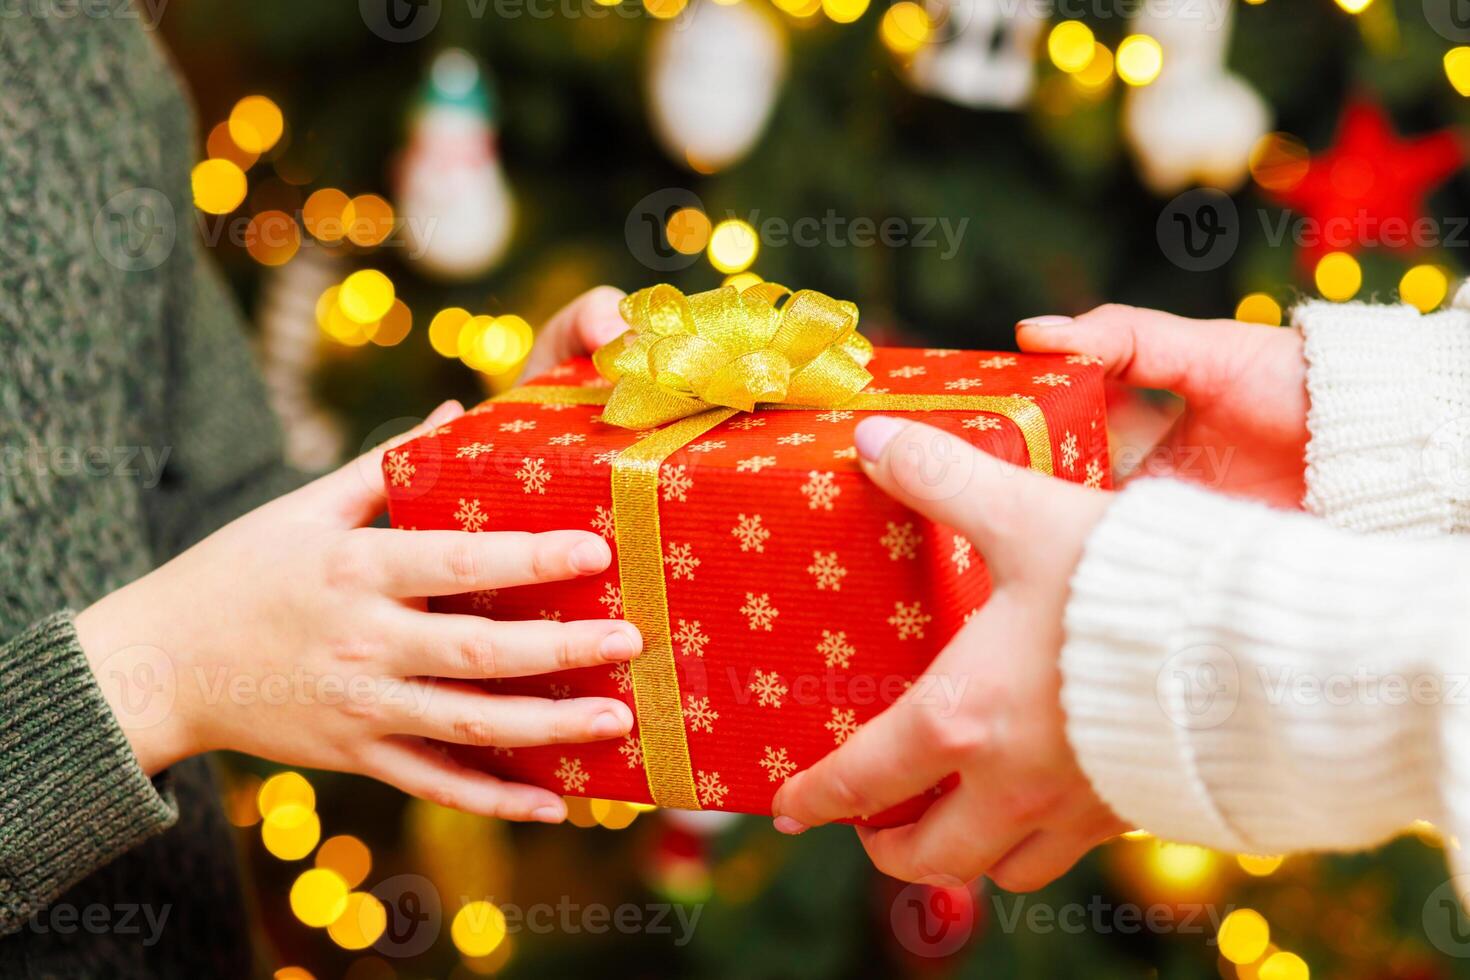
(694, 362)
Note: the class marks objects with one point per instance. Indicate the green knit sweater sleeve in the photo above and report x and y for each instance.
(72, 796)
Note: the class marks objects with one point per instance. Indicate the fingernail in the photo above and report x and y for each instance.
(590, 556)
(607, 725)
(787, 825)
(1045, 321)
(548, 814)
(618, 645)
(873, 434)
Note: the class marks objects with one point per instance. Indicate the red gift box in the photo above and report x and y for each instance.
(801, 600)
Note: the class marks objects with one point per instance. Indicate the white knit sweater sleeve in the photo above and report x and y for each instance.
(1257, 681)
(1389, 416)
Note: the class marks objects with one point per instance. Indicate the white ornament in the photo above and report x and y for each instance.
(988, 58)
(713, 78)
(1197, 122)
(455, 206)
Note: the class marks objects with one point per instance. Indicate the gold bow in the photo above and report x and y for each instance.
(731, 348)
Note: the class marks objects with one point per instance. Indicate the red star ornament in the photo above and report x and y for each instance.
(1368, 190)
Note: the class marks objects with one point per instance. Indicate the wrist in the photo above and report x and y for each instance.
(141, 676)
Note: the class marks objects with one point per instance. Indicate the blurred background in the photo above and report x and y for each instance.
(402, 190)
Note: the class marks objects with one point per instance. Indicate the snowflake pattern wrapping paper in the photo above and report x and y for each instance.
(801, 599)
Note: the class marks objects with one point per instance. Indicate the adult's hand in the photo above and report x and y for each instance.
(1023, 811)
(1244, 426)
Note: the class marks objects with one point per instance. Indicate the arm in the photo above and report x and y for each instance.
(1259, 682)
(1389, 416)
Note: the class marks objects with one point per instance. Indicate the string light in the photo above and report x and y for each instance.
(219, 185)
(1424, 287)
(1258, 308)
(1338, 276)
(366, 296)
(688, 231)
(256, 124)
(1181, 864)
(1354, 6)
(285, 788)
(1071, 46)
(733, 246)
(290, 832)
(477, 929)
(905, 27)
(319, 897)
(1457, 68)
(844, 11)
(1244, 936)
(1140, 59)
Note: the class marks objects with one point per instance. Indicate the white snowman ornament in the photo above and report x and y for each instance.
(456, 209)
(1197, 122)
(985, 56)
(714, 74)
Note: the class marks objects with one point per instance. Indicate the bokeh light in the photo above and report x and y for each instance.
(256, 124)
(844, 11)
(1424, 287)
(362, 921)
(347, 856)
(367, 220)
(1139, 60)
(1258, 308)
(1354, 6)
(1279, 161)
(290, 832)
(219, 186)
(394, 326)
(1282, 965)
(319, 897)
(905, 27)
(1099, 71)
(1259, 865)
(1457, 68)
(688, 231)
(323, 214)
(1338, 276)
(366, 296)
(478, 928)
(1071, 46)
(285, 788)
(665, 9)
(1244, 935)
(219, 144)
(272, 238)
(742, 280)
(732, 246)
(444, 330)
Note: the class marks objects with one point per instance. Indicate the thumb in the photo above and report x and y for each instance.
(949, 481)
(1146, 348)
(353, 493)
(580, 327)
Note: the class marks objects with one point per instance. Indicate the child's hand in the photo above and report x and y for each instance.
(298, 634)
(1244, 427)
(580, 327)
